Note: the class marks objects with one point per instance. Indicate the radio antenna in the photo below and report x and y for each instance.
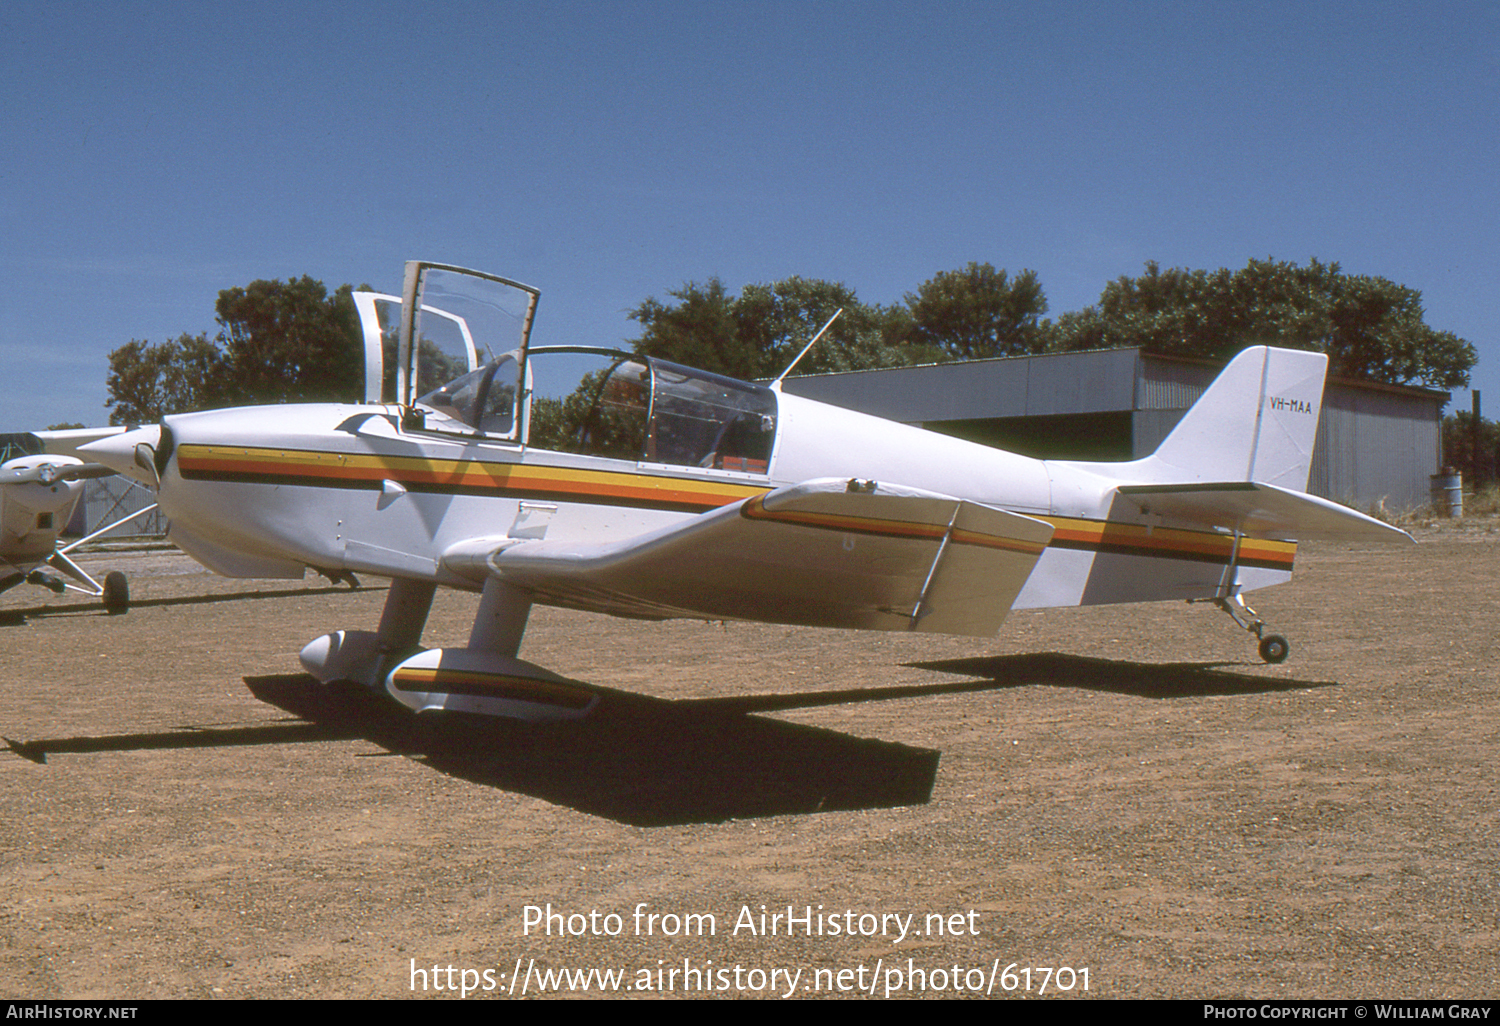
(777, 382)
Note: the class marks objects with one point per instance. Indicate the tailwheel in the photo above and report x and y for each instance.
(1274, 648)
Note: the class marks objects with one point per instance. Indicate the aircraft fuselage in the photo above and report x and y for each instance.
(348, 488)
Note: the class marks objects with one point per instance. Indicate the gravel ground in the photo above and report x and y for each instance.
(1126, 792)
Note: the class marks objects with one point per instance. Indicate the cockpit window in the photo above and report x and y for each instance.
(704, 420)
(598, 402)
(483, 400)
(602, 403)
(459, 320)
(593, 402)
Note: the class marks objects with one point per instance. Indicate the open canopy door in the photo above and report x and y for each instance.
(380, 323)
(455, 320)
(463, 320)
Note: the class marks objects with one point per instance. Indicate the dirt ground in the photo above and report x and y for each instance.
(1123, 791)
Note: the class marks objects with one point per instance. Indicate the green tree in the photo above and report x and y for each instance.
(978, 312)
(148, 381)
(699, 330)
(278, 342)
(1370, 327)
(1378, 332)
(780, 319)
(759, 332)
(1475, 454)
(290, 342)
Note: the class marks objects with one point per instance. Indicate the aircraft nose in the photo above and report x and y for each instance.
(117, 452)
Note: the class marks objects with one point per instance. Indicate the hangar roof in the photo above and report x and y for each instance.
(1097, 381)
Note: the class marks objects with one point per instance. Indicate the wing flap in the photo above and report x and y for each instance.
(826, 553)
(1260, 511)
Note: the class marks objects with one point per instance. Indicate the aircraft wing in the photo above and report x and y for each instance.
(48, 473)
(67, 442)
(825, 553)
(1261, 511)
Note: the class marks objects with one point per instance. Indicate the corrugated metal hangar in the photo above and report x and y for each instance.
(1376, 443)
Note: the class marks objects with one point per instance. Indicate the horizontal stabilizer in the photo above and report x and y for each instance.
(1260, 511)
(825, 553)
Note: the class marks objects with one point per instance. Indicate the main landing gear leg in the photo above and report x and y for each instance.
(1273, 647)
(404, 617)
(501, 620)
(365, 657)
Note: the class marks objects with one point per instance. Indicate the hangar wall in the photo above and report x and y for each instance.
(1376, 443)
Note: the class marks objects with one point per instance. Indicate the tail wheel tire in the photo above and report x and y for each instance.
(1274, 648)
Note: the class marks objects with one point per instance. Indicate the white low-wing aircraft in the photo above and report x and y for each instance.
(37, 497)
(622, 484)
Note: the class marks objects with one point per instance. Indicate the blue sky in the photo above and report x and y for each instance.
(155, 153)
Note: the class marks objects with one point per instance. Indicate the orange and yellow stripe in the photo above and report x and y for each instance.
(1169, 543)
(467, 477)
(315, 468)
(477, 684)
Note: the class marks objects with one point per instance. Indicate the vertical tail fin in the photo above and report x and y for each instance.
(1257, 422)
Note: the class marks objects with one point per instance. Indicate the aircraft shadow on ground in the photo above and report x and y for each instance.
(652, 762)
(17, 617)
(1145, 680)
(635, 759)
